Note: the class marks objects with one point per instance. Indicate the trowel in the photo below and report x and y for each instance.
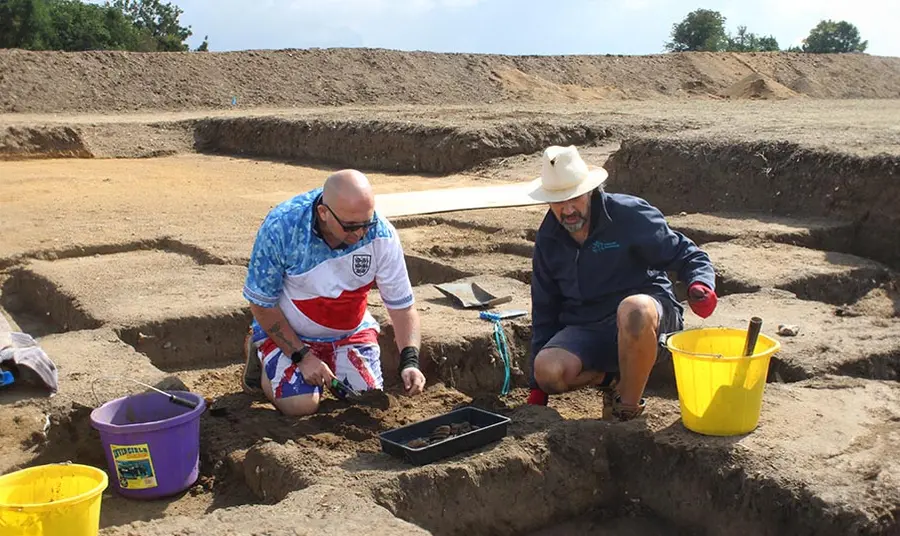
(471, 295)
(375, 398)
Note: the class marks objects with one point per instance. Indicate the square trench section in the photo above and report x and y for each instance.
(561, 473)
(178, 312)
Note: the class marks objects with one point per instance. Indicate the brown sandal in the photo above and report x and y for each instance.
(626, 412)
(608, 389)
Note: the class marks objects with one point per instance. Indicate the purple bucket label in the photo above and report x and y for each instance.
(134, 466)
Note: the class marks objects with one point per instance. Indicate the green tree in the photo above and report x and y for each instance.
(701, 30)
(25, 24)
(204, 46)
(743, 41)
(159, 20)
(80, 26)
(138, 25)
(830, 37)
(767, 44)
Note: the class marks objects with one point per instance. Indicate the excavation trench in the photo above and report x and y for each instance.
(384, 145)
(777, 178)
(548, 471)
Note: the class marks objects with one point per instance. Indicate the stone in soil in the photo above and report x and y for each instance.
(826, 343)
(830, 277)
(179, 312)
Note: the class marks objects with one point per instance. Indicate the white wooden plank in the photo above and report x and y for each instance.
(453, 199)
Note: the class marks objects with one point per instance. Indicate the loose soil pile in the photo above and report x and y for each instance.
(122, 81)
(757, 86)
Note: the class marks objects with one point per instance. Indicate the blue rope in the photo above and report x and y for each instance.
(503, 349)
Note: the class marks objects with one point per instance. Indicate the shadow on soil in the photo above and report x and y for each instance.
(192, 342)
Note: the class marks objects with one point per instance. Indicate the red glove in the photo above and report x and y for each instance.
(702, 299)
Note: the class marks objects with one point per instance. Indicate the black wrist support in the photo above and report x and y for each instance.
(409, 357)
(298, 356)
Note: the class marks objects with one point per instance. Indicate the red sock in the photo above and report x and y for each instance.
(537, 397)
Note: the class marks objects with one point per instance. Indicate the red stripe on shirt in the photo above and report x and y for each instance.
(342, 313)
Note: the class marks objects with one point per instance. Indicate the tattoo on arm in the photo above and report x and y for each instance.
(275, 330)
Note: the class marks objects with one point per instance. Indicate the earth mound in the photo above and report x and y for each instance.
(114, 81)
(757, 86)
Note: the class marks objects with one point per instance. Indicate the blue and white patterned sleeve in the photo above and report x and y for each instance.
(265, 273)
(391, 275)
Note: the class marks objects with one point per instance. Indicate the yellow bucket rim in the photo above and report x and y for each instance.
(37, 507)
(719, 357)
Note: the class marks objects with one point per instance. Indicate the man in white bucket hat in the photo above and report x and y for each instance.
(600, 294)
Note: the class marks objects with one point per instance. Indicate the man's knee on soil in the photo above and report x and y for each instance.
(293, 406)
(638, 317)
(299, 405)
(552, 372)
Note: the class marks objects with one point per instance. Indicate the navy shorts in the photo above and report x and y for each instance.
(597, 343)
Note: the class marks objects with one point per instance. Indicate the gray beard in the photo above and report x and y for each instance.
(574, 227)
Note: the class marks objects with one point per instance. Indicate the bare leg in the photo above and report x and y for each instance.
(294, 406)
(557, 371)
(638, 321)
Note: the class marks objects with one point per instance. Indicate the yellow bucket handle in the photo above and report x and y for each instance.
(664, 342)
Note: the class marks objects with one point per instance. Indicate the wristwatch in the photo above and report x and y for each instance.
(298, 356)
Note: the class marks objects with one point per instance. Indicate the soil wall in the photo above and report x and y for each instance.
(778, 178)
(385, 146)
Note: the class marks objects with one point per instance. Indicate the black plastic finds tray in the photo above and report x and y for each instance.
(491, 427)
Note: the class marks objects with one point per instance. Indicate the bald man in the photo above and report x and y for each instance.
(314, 260)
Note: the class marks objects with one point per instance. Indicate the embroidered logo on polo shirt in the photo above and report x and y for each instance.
(598, 246)
(361, 264)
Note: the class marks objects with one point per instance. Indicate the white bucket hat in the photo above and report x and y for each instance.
(564, 175)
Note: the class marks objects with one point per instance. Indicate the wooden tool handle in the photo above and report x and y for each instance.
(752, 335)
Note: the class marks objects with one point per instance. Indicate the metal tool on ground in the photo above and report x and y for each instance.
(172, 398)
(471, 295)
(342, 391)
(502, 315)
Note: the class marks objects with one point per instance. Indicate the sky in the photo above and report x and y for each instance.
(520, 27)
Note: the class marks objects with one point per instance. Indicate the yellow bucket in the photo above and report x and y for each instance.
(51, 500)
(719, 390)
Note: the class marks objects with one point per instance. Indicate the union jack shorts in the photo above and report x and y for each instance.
(355, 361)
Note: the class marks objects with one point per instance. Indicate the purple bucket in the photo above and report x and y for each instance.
(152, 445)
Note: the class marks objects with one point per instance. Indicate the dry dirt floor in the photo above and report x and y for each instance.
(124, 240)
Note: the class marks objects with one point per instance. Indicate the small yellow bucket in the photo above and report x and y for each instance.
(51, 500)
(719, 390)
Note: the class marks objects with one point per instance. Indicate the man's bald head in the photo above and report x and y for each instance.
(347, 209)
(348, 191)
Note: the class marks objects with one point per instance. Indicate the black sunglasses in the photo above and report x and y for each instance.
(349, 228)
